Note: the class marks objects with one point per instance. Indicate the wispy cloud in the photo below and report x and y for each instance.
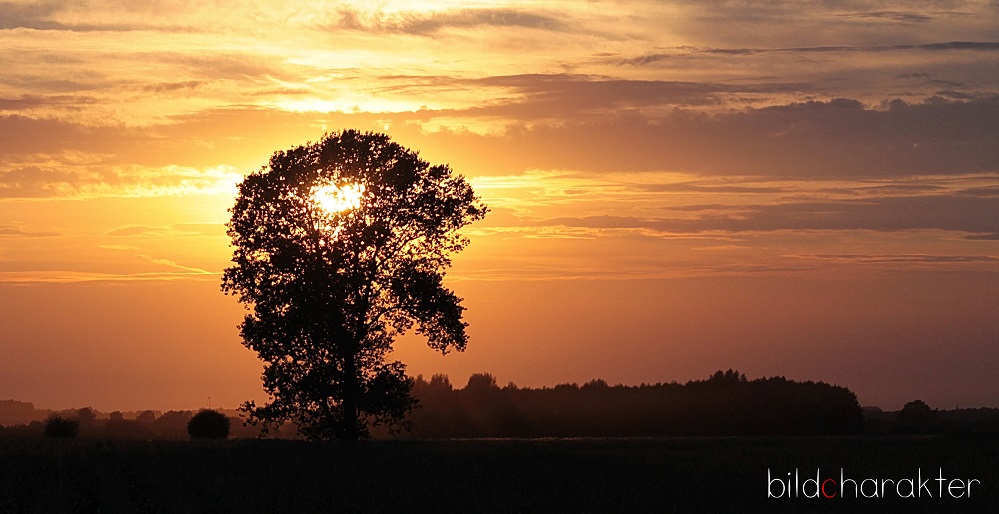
(885, 214)
(838, 138)
(171, 264)
(135, 230)
(902, 258)
(431, 23)
(89, 181)
(180, 229)
(28, 278)
(660, 57)
(18, 231)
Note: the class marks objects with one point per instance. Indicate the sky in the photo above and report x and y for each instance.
(805, 188)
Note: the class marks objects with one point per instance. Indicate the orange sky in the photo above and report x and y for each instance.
(808, 189)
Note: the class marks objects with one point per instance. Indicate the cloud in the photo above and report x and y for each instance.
(48, 83)
(838, 138)
(607, 129)
(171, 264)
(185, 85)
(704, 187)
(34, 182)
(533, 96)
(215, 66)
(17, 231)
(92, 16)
(902, 258)
(898, 16)
(974, 217)
(89, 181)
(72, 277)
(200, 229)
(26, 102)
(548, 95)
(28, 15)
(826, 5)
(135, 230)
(429, 24)
(983, 237)
(179, 229)
(677, 52)
(43, 16)
(26, 135)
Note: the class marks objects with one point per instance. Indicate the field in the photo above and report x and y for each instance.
(563, 475)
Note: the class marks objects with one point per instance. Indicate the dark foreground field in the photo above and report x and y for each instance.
(588, 475)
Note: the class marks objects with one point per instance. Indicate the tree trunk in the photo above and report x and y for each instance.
(351, 429)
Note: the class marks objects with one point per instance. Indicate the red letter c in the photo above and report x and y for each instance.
(826, 481)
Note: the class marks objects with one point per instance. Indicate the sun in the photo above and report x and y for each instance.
(345, 197)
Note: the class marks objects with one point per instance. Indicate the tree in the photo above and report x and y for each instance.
(147, 417)
(481, 382)
(208, 424)
(340, 246)
(59, 427)
(916, 416)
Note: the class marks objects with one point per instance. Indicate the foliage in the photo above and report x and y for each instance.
(330, 289)
(916, 416)
(13, 412)
(724, 404)
(481, 382)
(62, 428)
(208, 424)
(86, 416)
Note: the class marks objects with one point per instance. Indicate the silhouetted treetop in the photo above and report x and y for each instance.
(726, 403)
(916, 416)
(59, 427)
(727, 377)
(340, 246)
(208, 424)
(481, 382)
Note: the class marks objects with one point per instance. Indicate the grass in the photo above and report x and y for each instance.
(578, 475)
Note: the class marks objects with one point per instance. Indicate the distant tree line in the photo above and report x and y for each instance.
(724, 404)
(175, 424)
(13, 412)
(916, 417)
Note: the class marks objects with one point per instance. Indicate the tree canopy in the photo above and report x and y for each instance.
(208, 424)
(339, 247)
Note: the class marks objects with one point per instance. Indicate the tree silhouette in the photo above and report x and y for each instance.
(146, 417)
(340, 246)
(916, 416)
(59, 427)
(208, 424)
(481, 382)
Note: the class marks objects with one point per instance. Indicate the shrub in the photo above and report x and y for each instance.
(916, 417)
(208, 424)
(59, 427)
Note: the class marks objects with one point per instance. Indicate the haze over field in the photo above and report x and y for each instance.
(798, 188)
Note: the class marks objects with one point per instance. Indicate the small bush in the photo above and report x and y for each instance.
(59, 427)
(208, 424)
(916, 417)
